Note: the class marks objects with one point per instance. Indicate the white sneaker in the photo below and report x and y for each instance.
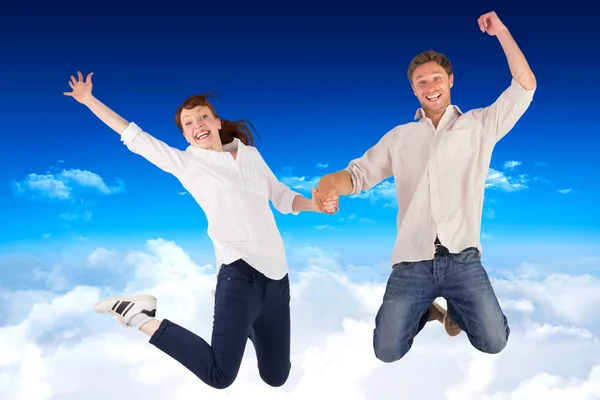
(132, 311)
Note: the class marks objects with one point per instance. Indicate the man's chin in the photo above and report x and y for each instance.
(435, 111)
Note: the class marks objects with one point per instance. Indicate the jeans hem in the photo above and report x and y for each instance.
(156, 335)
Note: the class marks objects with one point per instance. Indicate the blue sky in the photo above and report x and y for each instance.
(82, 218)
(320, 87)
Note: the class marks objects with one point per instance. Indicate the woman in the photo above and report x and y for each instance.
(229, 179)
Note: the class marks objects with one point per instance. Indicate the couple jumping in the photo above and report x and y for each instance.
(439, 164)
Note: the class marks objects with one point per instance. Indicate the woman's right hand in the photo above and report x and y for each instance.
(82, 90)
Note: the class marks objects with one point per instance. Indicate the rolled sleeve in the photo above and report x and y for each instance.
(356, 177)
(374, 166)
(130, 133)
(282, 197)
(280, 194)
(500, 117)
(518, 94)
(160, 154)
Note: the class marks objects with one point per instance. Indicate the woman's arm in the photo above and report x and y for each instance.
(286, 201)
(82, 92)
(157, 152)
(301, 203)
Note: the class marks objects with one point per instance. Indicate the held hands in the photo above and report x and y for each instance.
(328, 205)
(325, 192)
(490, 23)
(82, 90)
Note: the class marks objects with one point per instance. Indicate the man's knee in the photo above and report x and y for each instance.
(388, 351)
(493, 342)
(388, 354)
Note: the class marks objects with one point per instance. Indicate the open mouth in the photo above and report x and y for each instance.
(202, 135)
(433, 97)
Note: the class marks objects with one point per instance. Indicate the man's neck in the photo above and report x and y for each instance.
(435, 118)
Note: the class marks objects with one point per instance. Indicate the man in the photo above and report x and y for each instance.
(440, 164)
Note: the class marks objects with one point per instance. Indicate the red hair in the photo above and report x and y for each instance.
(240, 129)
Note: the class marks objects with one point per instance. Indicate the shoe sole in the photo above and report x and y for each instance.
(112, 300)
(451, 329)
(440, 310)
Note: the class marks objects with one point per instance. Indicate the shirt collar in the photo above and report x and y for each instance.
(420, 114)
(234, 145)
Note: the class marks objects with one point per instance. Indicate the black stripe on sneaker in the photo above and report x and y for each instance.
(128, 308)
(115, 306)
(149, 313)
(122, 307)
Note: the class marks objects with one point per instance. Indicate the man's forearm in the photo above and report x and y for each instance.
(342, 182)
(519, 68)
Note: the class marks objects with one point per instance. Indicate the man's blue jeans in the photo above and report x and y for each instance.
(413, 286)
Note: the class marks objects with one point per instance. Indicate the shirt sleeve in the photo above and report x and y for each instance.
(374, 166)
(165, 157)
(280, 194)
(500, 117)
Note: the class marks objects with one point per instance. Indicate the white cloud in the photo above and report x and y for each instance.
(47, 185)
(565, 191)
(356, 218)
(301, 183)
(479, 373)
(544, 331)
(572, 298)
(588, 266)
(60, 185)
(385, 191)
(520, 305)
(541, 180)
(321, 165)
(498, 180)
(72, 216)
(102, 256)
(71, 353)
(544, 386)
(182, 193)
(89, 179)
(511, 164)
(326, 227)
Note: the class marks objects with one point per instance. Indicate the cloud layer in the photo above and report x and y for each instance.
(52, 338)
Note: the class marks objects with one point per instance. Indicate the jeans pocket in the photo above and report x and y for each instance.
(402, 265)
(467, 255)
(237, 273)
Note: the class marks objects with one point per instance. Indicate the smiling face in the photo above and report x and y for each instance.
(201, 127)
(431, 84)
